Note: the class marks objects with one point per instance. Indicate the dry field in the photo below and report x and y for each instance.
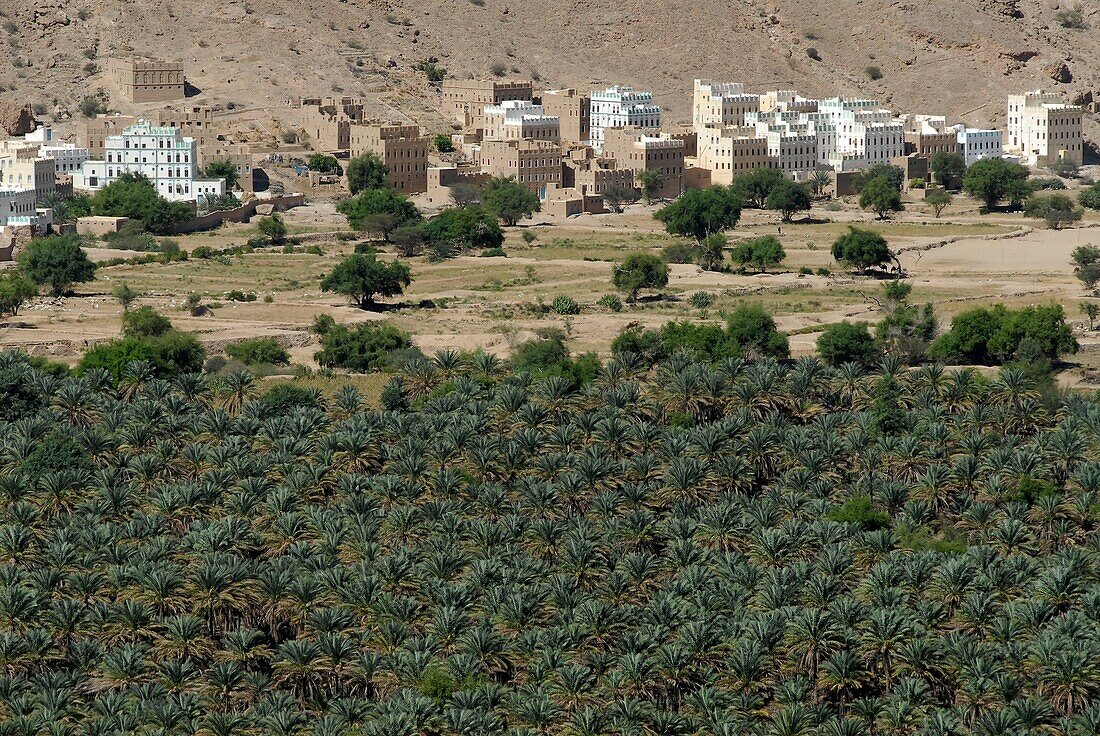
(955, 262)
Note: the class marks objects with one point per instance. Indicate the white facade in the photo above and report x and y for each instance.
(622, 107)
(977, 144)
(1043, 129)
(515, 120)
(724, 105)
(161, 154)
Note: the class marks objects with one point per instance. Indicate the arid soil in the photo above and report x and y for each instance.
(955, 58)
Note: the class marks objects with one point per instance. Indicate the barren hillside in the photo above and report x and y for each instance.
(954, 57)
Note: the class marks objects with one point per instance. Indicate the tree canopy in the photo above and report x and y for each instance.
(56, 261)
(462, 228)
(847, 342)
(760, 253)
(364, 210)
(699, 213)
(753, 187)
(639, 271)
(367, 172)
(1056, 210)
(223, 169)
(861, 249)
(948, 169)
(993, 180)
(995, 335)
(362, 277)
(881, 197)
(509, 200)
(787, 198)
(135, 197)
(15, 288)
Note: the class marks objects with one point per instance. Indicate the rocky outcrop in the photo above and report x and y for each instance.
(1007, 8)
(1059, 72)
(16, 117)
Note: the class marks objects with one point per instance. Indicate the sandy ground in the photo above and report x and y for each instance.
(956, 262)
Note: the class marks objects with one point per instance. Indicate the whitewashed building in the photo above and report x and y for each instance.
(519, 120)
(1043, 129)
(18, 208)
(622, 107)
(161, 154)
(976, 144)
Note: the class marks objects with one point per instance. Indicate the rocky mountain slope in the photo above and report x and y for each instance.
(953, 57)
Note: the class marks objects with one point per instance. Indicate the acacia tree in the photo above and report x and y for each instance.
(509, 200)
(788, 197)
(994, 179)
(760, 253)
(880, 196)
(56, 261)
(362, 277)
(367, 172)
(700, 213)
(861, 249)
(639, 271)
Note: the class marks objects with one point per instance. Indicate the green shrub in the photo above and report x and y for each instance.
(170, 354)
(565, 304)
(367, 347)
(612, 302)
(846, 342)
(145, 322)
(493, 253)
(859, 510)
(701, 299)
(258, 351)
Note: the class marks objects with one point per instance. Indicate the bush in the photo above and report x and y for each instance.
(760, 253)
(995, 335)
(548, 355)
(493, 253)
(612, 302)
(364, 348)
(1072, 18)
(1090, 197)
(565, 305)
(283, 398)
(847, 343)
(56, 261)
(236, 295)
(860, 510)
(1057, 210)
(258, 351)
(873, 73)
(322, 324)
(145, 322)
(813, 53)
(680, 252)
(749, 333)
(701, 299)
(170, 354)
(443, 144)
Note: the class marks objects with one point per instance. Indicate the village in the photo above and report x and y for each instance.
(570, 147)
(597, 166)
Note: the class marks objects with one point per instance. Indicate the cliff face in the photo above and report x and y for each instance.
(958, 58)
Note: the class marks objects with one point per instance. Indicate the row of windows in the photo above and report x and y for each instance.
(186, 158)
